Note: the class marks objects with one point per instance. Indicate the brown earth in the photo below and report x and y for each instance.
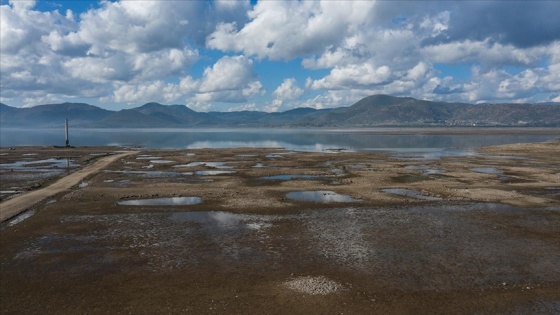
(487, 244)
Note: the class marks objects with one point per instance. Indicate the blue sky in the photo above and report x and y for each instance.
(277, 55)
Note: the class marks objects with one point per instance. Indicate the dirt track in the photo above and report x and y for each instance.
(20, 203)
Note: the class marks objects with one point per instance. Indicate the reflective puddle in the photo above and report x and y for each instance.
(225, 219)
(21, 217)
(152, 174)
(293, 176)
(173, 201)
(426, 169)
(434, 171)
(417, 167)
(356, 166)
(8, 192)
(423, 154)
(320, 196)
(274, 156)
(486, 170)
(148, 157)
(212, 173)
(46, 163)
(161, 161)
(207, 164)
(409, 193)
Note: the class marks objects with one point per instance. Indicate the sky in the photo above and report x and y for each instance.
(218, 55)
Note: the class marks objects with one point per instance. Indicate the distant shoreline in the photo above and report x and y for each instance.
(367, 130)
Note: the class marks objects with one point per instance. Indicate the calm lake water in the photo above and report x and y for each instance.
(392, 140)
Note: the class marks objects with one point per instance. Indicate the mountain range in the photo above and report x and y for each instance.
(371, 111)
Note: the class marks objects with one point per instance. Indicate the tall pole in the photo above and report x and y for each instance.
(67, 141)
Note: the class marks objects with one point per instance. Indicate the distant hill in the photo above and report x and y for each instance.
(51, 115)
(155, 115)
(385, 110)
(371, 111)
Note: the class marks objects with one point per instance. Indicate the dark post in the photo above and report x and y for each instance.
(67, 141)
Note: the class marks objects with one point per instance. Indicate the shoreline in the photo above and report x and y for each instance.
(374, 130)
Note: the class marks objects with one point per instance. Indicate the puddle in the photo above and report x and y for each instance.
(514, 180)
(219, 165)
(83, 185)
(273, 156)
(337, 171)
(29, 154)
(152, 174)
(38, 164)
(211, 173)
(108, 180)
(21, 217)
(422, 154)
(356, 166)
(510, 157)
(8, 192)
(190, 154)
(411, 178)
(434, 171)
(320, 196)
(221, 218)
(173, 201)
(550, 192)
(486, 170)
(148, 157)
(293, 176)
(417, 167)
(259, 165)
(258, 226)
(148, 166)
(98, 154)
(161, 161)
(279, 155)
(409, 193)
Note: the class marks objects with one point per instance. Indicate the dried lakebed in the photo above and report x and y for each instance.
(166, 241)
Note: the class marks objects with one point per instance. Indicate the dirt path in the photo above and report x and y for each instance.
(16, 205)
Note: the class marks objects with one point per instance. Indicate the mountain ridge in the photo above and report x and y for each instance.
(372, 111)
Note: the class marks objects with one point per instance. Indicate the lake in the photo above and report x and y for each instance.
(410, 140)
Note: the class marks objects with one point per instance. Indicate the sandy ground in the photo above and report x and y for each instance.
(475, 233)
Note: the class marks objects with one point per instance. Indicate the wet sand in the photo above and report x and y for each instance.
(477, 233)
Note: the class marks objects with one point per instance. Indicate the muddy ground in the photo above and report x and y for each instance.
(473, 233)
